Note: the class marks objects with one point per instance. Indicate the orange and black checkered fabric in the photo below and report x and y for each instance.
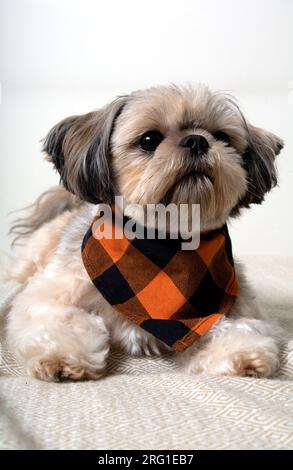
(174, 294)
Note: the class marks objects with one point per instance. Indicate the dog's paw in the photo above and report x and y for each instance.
(249, 356)
(54, 369)
(73, 345)
(258, 363)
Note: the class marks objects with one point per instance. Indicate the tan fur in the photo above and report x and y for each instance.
(40, 249)
(49, 205)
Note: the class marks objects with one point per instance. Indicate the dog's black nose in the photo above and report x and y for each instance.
(197, 144)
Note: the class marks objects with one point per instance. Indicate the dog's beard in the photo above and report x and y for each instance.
(202, 181)
(194, 188)
(190, 188)
(182, 181)
(166, 177)
(194, 183)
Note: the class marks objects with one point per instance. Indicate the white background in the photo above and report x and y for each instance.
(60, 57)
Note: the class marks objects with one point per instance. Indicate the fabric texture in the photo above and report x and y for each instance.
(146, 403)
(176, 295)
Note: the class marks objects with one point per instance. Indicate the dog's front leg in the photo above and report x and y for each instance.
(51, 330)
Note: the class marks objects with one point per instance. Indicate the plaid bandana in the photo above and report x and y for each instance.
(176, 295)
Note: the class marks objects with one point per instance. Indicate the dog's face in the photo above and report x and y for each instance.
(169, 145)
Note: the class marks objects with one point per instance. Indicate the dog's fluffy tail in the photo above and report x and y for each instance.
(49, 205)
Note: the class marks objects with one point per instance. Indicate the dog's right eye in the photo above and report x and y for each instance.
(220, 135)
(150, 141)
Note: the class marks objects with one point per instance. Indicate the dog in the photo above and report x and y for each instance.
(59, 325)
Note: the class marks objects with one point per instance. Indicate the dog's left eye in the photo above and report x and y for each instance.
(219, 135)
(150, 141)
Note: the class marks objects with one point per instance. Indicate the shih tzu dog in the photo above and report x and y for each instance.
(165, 145)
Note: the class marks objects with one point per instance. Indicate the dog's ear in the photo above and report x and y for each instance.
(259, 163)
(79, 148)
